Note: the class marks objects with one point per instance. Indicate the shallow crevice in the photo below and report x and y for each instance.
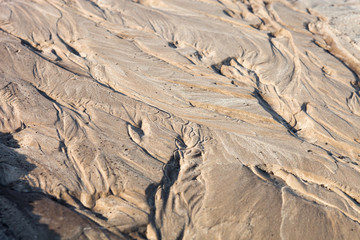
(171, 172)
(277, 117)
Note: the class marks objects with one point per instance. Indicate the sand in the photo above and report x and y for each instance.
(179, 119)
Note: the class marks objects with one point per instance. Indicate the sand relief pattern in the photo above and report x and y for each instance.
(180, 119)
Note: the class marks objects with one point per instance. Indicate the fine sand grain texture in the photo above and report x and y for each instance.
(179, 119)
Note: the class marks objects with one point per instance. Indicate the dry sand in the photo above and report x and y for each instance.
(179, 119)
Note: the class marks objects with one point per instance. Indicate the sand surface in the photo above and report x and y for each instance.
(179, 119)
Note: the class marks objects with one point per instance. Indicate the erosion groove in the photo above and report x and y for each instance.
(191, 119)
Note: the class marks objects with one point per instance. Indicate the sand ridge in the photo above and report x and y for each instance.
(180, 119)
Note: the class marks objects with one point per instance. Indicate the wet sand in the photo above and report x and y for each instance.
(181, 119)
